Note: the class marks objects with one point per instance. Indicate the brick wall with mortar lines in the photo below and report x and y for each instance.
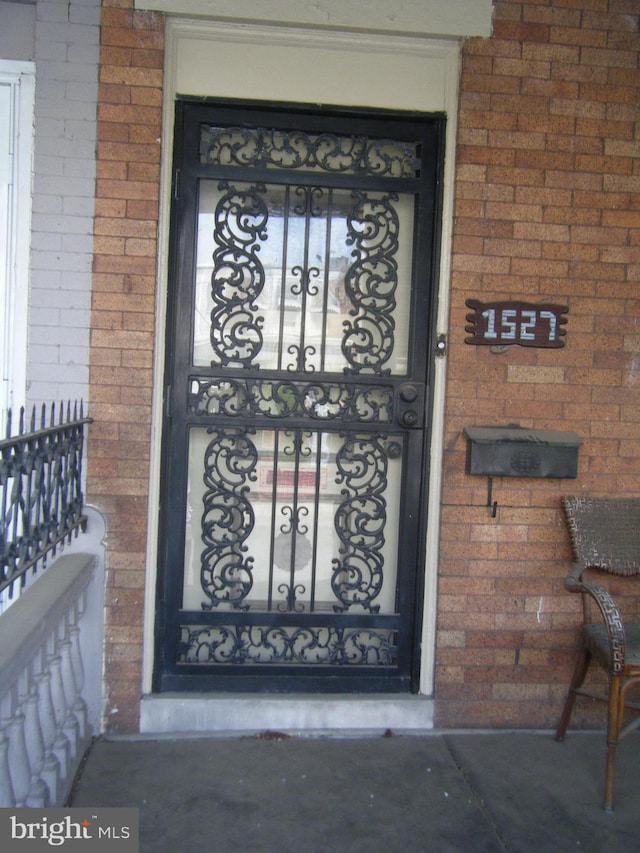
(122, 330)
(66, 37)
(547, 207)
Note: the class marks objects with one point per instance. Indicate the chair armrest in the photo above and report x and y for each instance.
(609, 611)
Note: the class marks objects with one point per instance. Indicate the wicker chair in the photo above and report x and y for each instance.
(605, 535)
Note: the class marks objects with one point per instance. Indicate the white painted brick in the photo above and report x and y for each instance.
(81, 207)
(62, 224)
(60, 261)
(66, 33)
(47, 204)
(45, 317)
(77, 318)
(80, 168)
(41, 392)
(73, 280)
(56, 335)
(73, 149)
(52, 12)
(65, 72)
(82, 53)
(78, 243)
(45, 164)
(45, 279)
(65, 300)
(80, 129)
(48, 88)
(73, 355)
(76, 110)
(81, 91)
(50, 51)
(67, 56)
(43, 353)
(82, 187)
(46, 241)
(84, 13)
(53, 127)
(73, 374)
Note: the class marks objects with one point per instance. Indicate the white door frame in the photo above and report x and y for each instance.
(308, 66)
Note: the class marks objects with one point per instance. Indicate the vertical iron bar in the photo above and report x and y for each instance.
(327, 263)
(283, 274)
(306, 277)
(316, 521)
(274, 497)
(297, 446)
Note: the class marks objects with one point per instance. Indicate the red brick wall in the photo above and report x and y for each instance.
(547, 206)
(122, 337)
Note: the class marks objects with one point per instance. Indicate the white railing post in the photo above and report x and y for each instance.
(38, 793)
(48, 713)
(61, 745)
(18, 758)
(51, 765)
(7, 800)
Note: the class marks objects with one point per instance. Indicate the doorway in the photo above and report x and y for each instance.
(297, 398)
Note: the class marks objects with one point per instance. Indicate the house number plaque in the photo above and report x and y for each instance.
(523, 323)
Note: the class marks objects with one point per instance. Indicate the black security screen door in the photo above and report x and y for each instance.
(300, 341)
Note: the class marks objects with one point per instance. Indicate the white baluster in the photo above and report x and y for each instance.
(18, 759)
(71, 724)
(7, 799)
(51, 765)
(38, 792)
(80, 706)
(61, 747)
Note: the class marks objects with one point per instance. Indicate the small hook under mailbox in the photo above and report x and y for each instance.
(492, 505)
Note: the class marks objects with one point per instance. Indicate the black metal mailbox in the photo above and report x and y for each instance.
(514, 451)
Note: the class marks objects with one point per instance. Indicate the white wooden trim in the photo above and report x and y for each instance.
(448, 18)
(414, 74)
(16, 167)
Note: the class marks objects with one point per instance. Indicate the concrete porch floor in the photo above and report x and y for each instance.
(443, 791)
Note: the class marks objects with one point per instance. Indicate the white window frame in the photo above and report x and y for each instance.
(17, 98)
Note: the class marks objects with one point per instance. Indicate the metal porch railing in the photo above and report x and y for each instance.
(51, 635)
(41, 499)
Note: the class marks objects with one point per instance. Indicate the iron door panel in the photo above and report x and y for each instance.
(301, 320)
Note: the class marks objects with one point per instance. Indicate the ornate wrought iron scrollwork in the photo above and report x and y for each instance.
(273, 399)
(41, 498)
(226, 573)
(293, 529)
(295, 149)
(360, 523)
(240, 644)
(238, 275)
(371, 282)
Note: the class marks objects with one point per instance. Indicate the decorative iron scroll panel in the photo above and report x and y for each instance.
(299, 341)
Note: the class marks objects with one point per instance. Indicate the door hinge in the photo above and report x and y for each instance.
(176, 184)
(167, 402)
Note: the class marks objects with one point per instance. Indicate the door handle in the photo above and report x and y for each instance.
(409, 406)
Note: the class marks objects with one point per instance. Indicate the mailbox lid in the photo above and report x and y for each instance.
(514, 451)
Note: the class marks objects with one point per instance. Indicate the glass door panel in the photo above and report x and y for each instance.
(302, 278)
(288, 520)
